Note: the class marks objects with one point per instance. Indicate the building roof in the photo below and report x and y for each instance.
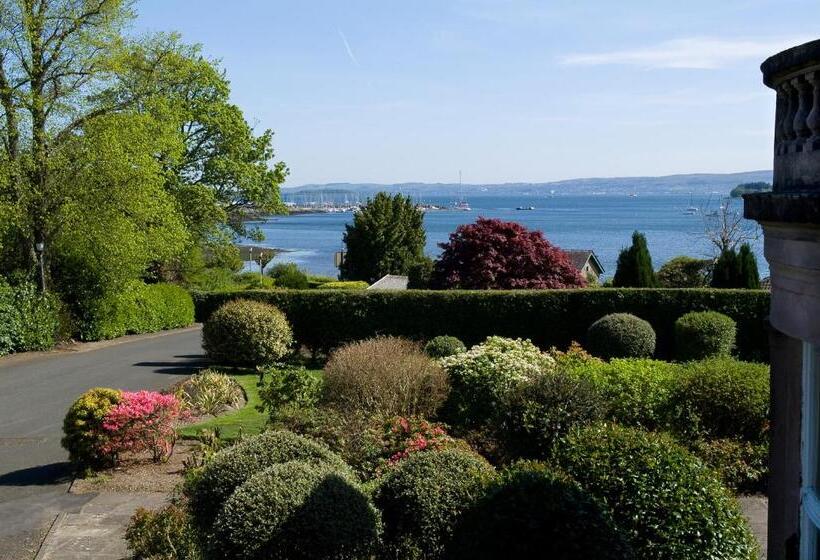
(390, 282)
(579, 258)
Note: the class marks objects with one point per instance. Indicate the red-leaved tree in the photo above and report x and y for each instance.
(495, 255)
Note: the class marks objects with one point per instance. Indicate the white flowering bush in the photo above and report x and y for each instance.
(481, 377)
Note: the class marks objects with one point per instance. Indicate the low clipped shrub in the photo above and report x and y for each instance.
(444, 346)
(289, 386)
(345, 285)
(636, 390)
(536, 414)
(481, 378)
(424, 497)
(84, 436)
(534, 511)
(289, 275)
(740, 465)
(704, 334)
(297, 511)
(164, 534)
(721, 398)
(385, 375)
(211, 392)
(208, 490)
(667, 504)
(246, 333)
(621, 335)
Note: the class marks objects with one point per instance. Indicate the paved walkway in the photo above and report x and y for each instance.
(35, 392)
(97, 530)
(756, 511)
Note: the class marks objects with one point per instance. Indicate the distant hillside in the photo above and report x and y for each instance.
(696, 182)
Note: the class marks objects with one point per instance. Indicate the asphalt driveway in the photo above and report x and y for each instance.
(36, 391)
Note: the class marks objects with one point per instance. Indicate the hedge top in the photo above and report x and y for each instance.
(323, 320)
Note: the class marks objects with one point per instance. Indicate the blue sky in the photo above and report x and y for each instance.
(505, 90)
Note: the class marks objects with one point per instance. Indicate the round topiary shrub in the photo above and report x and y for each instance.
(297, 511)
(721, 398)
(216, 481)
(704, 334)
(443, 346)
(85, 437)
(384, 375)
(423, 498)
(667, 503)
(246, 333)
(621, 335)
(536, 512)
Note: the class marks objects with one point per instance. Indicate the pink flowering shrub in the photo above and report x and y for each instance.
(142, 421)
(405, 436)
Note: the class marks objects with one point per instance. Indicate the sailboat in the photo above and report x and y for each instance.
(692, 210)
(462, 204)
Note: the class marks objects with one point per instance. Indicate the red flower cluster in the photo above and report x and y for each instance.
(142, 421)
(404, 436)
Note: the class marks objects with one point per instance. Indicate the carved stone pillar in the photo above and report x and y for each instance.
(790, 216)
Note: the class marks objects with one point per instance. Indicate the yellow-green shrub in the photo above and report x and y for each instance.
(82, 427)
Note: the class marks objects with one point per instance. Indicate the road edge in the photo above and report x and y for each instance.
(82, 347)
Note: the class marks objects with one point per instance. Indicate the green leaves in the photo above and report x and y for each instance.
(387, 237)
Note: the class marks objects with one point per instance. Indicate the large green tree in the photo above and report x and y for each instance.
(226, 169)
(386, 237)
(58, 61)
(635, 265)
(69, 77)
(117, 218)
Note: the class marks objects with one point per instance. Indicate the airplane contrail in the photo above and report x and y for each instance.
(348, 49)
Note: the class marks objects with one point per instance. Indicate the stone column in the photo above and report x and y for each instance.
(790, 216)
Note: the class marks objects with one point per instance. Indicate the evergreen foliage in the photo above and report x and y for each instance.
(387, 237)
(684, 272)
(749, 276)
(635, 266)
(326, 319)
(735, 269)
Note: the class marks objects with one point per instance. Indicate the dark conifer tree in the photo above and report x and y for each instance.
(726, 273)
(387, 237)
(749, 276)
(635, 265)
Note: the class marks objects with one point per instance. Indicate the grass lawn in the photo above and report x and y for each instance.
(247, 418)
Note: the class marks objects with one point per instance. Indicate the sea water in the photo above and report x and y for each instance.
(602, 223)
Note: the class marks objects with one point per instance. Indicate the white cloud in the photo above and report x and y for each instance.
(692, 53)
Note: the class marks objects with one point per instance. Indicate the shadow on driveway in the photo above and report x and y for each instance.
(42, 475)
(186, 366)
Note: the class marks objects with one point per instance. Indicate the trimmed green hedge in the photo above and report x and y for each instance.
(138, 308)
(325, 319)
(29, 320)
